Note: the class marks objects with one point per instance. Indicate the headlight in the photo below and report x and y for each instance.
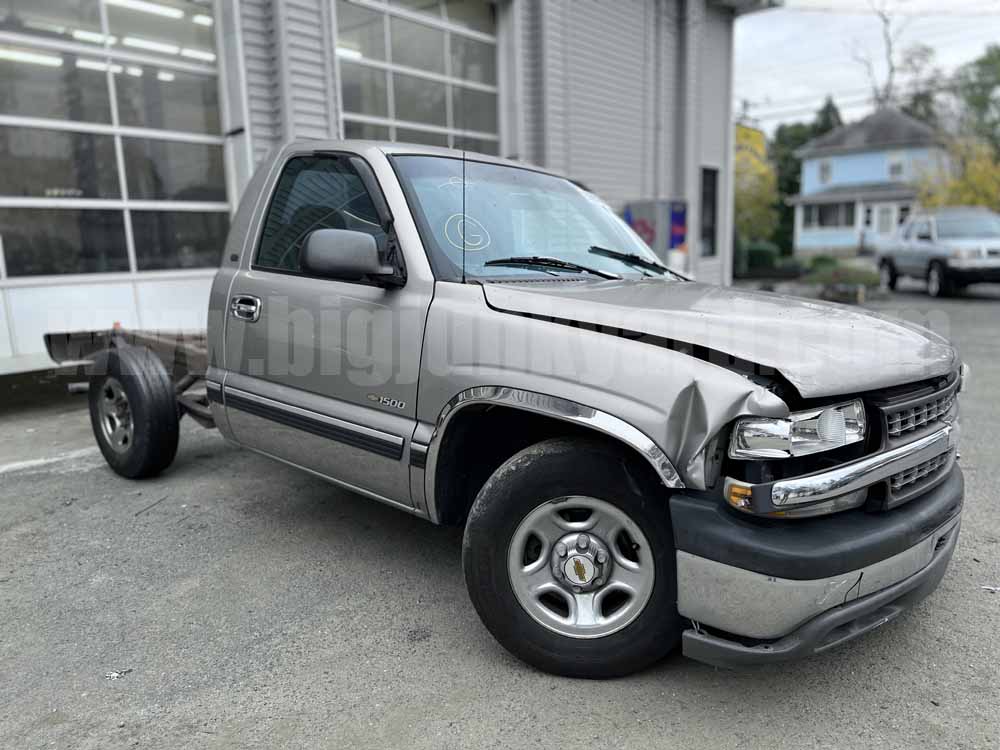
(965, 253)
(800, 434)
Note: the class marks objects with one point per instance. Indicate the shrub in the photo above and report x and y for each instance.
(762, 255)
(822, 261)
(829, 275)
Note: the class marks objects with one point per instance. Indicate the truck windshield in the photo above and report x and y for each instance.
(470, 213)
(969, 227)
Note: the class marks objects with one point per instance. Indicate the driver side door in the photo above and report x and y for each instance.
(322, 373)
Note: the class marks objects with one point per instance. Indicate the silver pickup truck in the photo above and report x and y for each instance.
(949, 247)
(640, 462)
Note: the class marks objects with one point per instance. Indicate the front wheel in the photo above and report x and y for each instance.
(938, 283)
(569, 560)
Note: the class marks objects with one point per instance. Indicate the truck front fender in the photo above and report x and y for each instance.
(549, 406)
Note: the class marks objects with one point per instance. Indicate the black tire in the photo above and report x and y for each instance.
(888, 275)
(151, 410)
(942, 285)
(553, 469)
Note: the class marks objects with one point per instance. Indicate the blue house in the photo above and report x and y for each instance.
(859, 182)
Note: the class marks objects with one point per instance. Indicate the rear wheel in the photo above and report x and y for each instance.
(569, 560)
(887, 275)
(133, 412)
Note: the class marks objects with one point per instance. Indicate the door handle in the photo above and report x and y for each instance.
(245, 307)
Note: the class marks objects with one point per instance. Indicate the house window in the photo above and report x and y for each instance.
(828, 215)
(709, 211)
(810, 215)
(904, 211)
(895, 170)
(825, 171)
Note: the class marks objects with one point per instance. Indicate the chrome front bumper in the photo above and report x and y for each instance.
(852, 479)
(857, 614)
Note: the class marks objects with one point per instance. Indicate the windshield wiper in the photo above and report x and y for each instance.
(544, 261)
(633, 258)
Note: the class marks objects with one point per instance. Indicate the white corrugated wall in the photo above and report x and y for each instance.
(288, 57)
(260, 66)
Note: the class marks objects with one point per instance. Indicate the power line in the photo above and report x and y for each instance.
(950, 38)
(910, 88)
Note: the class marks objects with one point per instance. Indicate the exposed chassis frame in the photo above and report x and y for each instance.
(183, 353)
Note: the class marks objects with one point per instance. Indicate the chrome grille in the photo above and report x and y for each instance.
(918, 415)
(927, 470)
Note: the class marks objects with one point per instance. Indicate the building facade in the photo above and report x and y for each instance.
(128, 128)
(860, 182)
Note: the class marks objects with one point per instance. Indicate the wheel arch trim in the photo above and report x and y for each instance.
(551, 406)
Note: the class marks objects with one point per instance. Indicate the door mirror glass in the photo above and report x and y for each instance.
(342, 254)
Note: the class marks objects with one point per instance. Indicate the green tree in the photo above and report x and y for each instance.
(922, 100)
(788, 139)
(756, 198)
(977, 85)
(827, 118)
(975, 180)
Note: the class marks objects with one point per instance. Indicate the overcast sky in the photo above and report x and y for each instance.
(789, 58)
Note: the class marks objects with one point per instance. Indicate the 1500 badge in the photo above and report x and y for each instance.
(393, 403)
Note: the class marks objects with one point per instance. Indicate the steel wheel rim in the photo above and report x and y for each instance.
(116, 416)
(885, 277)
(602, 607)
(934, 282)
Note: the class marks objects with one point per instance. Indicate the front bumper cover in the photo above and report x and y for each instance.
(833, 627)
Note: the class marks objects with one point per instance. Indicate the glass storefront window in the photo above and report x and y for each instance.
(479, 145)
(153, 97)
(39, 242)
(57, 164)
(473, 60)
(364, 90)
(179, 239)
(473, 14)
(166, 27)
(360, 32)
(419, 100)
(430, 7)
(365, 131)
(417, 46)
(428, 59)
(37, 82)
(412, 135)
(47, 172)
(171, 170)
(73, 20)
(474, 110)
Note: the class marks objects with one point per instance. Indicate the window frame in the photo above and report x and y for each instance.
(450, 130)
(273, 191)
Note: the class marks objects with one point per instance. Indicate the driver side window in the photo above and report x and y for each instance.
(921, 230)
(314, 192)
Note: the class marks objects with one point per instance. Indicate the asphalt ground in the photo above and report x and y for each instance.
(234, 602)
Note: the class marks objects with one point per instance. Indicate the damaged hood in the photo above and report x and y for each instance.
(822, 349)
